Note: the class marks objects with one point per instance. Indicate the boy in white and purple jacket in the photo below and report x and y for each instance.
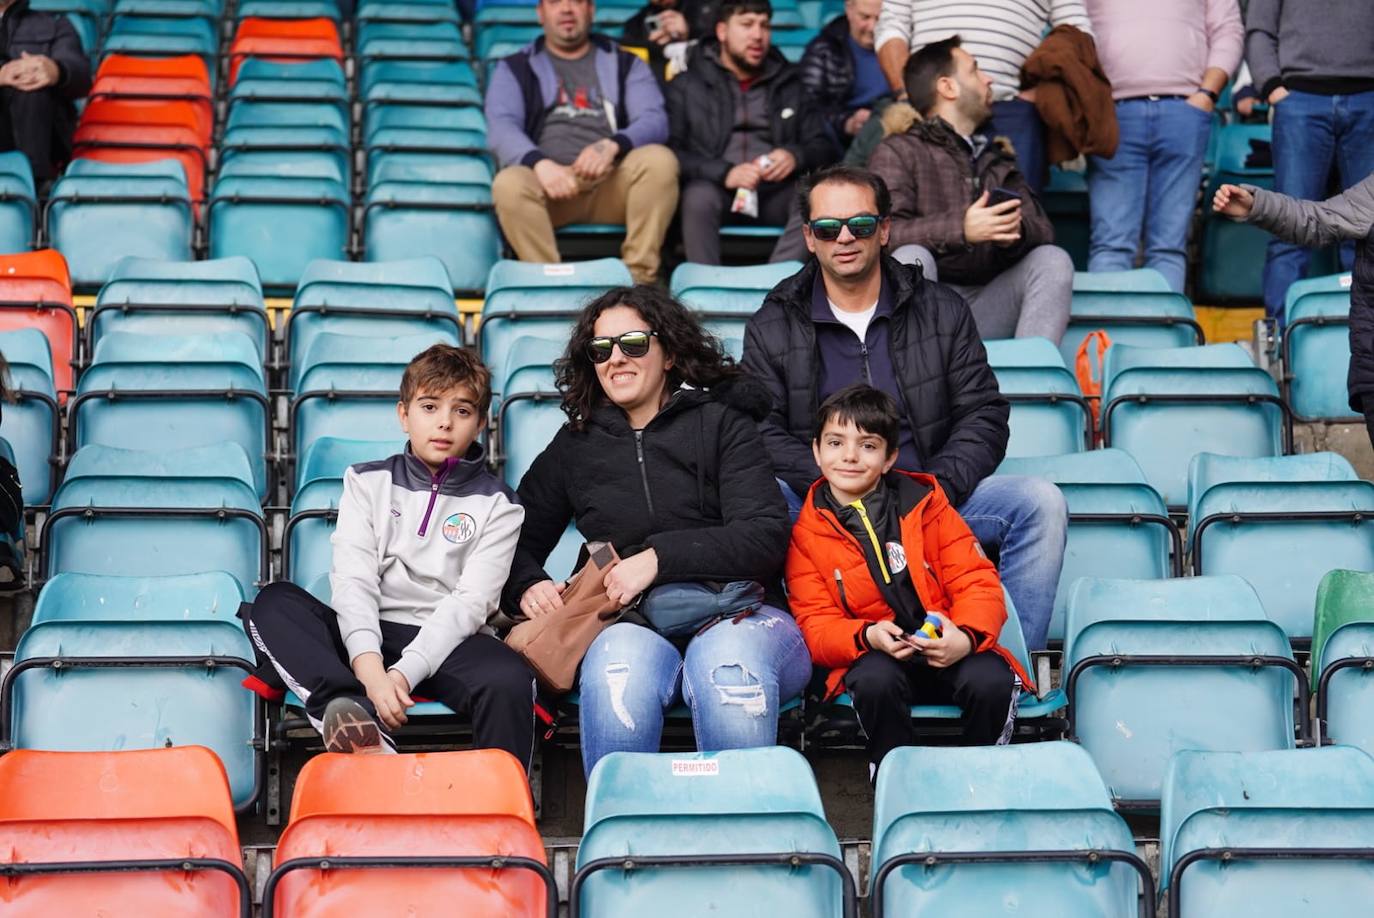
(422, 549)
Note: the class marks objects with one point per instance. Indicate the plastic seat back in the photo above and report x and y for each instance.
(36, 292)
(409, 809)
(31, 423)
(281, 223)
(209, 596)
(712, 288)
(414, 218)
(1131, 718)
(1279, 802)
(163, 804)
(999, 799)
(1309, 510)
(1343, 637)
(733, 802)
(1316, 347)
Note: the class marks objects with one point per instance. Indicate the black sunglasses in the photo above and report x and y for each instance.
(632, 344)
(828, 229)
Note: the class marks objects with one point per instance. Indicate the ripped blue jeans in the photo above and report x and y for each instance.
(733, 677)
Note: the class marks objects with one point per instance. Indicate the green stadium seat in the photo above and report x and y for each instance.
(1343, 658)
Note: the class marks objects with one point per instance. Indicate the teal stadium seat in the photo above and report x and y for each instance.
(995, 830)
(163, 36)
(125, 662)
(93, 204)
(1049, 415)
(11, 555)
(1156, 666)
(147, 391)
(1343, 659)
(156, 512)
(697, 833)
(306, 549)
(288, 9)
(792, 42)
(1233, 254)
(349, 386)
(388, 299)
(32, 424)
(1163, 405)
(182, 298)
(1268, 834)
(1118, 524)
(1316, 349)
(715, 289)
(406, 41)
(1281, 523)
(539, 300)
(18, 203)
(282, 223)
(451, 84)
(419, 12)
(1132, 307)
(1065, 199)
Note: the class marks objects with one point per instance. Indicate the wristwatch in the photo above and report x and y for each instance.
(1209, 93)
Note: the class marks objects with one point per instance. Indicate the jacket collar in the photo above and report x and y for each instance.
(455, 472)
(598, 41)
(614, 420)
(820, 302)
(773, 62)
(909, 489)
(902, 284)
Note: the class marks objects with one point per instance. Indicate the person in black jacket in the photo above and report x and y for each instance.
(853, 314)
(841, 73)
(661, 457)
(740, 124)
(665, 27)
(44, 72)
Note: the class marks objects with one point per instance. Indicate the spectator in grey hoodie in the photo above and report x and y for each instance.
(578, 127)
(1313, 62)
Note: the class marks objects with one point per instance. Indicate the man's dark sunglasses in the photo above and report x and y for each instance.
(632, 344)
(828, 229)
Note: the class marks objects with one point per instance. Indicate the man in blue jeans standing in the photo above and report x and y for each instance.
(853, 314)
(1313, 61)
(1167, 60)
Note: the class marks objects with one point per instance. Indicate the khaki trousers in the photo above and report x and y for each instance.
(640, 192)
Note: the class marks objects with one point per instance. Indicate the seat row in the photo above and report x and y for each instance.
(967, 831)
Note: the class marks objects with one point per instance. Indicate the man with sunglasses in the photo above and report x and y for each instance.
(853, 314)
(962, 207)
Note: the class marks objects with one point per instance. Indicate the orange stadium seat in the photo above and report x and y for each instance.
(284, 39)
(427, 807)
(149, 812)
(36, 292)
(139, 79)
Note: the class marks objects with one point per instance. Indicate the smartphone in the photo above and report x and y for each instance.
(652, 22)
(1001, 195)
(908, 639)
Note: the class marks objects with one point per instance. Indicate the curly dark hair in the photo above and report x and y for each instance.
(698, 358)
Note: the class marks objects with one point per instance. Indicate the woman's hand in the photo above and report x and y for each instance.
(1233, 201)
(631, 576)
(543, 598)
(887, 637)
(949, 648)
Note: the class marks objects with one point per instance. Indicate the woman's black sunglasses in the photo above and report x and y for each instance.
(632, 344)
(827, 229)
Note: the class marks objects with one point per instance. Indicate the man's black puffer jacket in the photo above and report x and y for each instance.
(703, 496)
(955, 410)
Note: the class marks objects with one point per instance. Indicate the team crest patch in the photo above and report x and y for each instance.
(459, 528)
(896, 557)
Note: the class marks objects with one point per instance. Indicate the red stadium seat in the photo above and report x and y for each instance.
(284, 39)
(140, 79)
(472, 804)
(83, 809)
(36, 292)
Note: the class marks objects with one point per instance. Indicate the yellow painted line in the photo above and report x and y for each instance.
(1228, 323)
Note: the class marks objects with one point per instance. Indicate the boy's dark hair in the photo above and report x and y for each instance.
(870, 410)
(730, 8)
(926, 66)
(440, 367)
(843, 175)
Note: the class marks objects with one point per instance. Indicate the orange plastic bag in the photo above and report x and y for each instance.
(1092, 384)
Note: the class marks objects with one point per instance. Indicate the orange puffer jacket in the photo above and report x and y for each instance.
(833, 595)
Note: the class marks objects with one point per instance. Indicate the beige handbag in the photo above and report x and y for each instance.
(554, 644)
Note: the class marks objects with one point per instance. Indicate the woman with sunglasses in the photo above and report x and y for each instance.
(661, 457)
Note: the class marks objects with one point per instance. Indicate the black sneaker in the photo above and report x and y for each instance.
(348, 727)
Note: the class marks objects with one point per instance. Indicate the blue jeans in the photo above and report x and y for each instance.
(1311, 134)
(733, 678)
(1150, 186)
(1019, 122)
(1027, 521)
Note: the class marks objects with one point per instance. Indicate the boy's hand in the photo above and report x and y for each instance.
(949, 648)
(631, 576)
(543, 598)
(887, 637)
(388, 691)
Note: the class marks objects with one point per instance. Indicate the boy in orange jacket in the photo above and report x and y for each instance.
(873, 553)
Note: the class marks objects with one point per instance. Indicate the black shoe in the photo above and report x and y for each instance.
(348, 727)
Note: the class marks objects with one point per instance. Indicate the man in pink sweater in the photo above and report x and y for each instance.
(1167, 60)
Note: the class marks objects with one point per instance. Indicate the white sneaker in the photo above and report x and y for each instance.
(349, 728)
